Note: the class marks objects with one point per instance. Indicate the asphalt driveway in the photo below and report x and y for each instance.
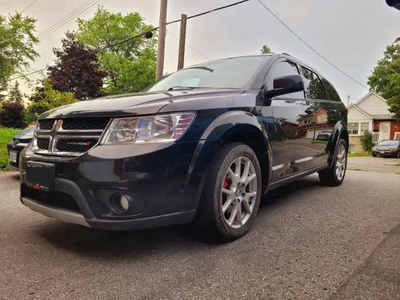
(309, 242)
(378, 164)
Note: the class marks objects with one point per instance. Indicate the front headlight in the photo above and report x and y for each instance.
(149, 129)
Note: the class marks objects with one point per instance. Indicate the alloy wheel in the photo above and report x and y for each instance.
(341, 162)
(239, 192)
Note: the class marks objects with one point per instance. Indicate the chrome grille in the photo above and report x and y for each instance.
(69, 137)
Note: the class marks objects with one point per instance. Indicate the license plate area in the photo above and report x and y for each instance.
(13, 156)
(40, 176)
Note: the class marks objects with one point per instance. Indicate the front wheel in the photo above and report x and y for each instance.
(334, 175)
(231, 195)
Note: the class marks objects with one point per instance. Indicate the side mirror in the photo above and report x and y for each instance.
(285, 85)
(393, 3)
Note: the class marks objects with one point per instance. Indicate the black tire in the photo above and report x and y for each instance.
(210, 220)
(329, 177)
(374, 155)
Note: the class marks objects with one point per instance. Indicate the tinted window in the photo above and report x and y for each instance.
(331, 93)
(227, 73)
(313, 85)
(286, 68)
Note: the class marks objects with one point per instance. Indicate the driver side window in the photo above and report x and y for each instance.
(284, 68)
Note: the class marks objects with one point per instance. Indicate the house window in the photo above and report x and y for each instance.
(352, 148)
(364, 127)
(353, 128)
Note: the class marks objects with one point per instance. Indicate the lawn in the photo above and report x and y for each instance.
(358, 154)
(6, 135)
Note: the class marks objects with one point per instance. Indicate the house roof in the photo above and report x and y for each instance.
(369, 115)
(369, 94)
(360, 110)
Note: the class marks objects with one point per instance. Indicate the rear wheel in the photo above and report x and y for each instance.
(334, 175)
(374, 155)
(231, 195)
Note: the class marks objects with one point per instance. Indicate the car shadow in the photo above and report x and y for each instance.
(112, 244)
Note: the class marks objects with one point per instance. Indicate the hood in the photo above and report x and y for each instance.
(133, 104)
(385, 147)
(25, 134)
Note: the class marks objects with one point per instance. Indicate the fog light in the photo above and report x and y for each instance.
(121, 203)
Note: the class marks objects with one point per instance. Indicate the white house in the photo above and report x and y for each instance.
(371, 113)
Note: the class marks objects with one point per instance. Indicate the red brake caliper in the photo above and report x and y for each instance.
(225, 182)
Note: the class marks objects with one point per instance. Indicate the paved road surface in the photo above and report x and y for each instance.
(310, 242)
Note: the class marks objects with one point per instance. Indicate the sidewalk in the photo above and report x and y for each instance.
(377, 164)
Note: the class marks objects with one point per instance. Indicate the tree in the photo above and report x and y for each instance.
(77, 70)
(16, 45)
(265, 50)
(130, 65)
(12, 115)
(385, 78)
(15, 94)
(45, 98)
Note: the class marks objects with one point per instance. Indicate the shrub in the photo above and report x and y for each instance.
(30, 117)
(367, 141)
(12, 115)
(46, 98)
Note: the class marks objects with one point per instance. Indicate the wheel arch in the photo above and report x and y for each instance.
(339, 132)
(232, 126)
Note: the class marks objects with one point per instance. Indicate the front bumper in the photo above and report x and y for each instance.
(385, 153)
(165, 183)
(17, 148)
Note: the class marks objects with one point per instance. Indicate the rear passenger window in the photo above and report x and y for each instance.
(331, 93)
(313, 85)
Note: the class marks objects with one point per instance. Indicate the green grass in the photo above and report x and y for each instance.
(358, 154)
(6, 135)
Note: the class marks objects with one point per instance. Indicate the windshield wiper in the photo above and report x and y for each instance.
(180, 87)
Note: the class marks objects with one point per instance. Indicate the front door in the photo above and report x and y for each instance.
(292, 147)
(384, 127)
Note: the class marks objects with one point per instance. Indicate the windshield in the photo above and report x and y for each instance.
(389, 143)
(217, 74)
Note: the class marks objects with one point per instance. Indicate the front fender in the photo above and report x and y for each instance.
(233, 126)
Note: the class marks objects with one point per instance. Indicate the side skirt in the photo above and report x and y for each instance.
(284, 181)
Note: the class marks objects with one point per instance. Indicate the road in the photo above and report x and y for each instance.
(309, 242)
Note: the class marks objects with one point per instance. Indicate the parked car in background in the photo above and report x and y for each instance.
(19, 142)
(202, 144)
(324, 135)
(387, 148)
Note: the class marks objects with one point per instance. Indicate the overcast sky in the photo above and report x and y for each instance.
(352, 34)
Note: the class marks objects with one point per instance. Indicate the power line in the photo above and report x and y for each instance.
(78, 11)
(187, 45)
(33, 2)
(138, 35)
(315, 51)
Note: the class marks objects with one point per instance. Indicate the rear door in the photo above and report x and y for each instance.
(327, 109)
(292, 150)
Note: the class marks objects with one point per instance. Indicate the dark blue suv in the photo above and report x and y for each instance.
(201, 145)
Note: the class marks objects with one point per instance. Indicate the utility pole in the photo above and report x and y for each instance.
(161, 39)
(182, 42)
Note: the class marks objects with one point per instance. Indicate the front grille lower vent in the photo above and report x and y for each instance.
(55, 198)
